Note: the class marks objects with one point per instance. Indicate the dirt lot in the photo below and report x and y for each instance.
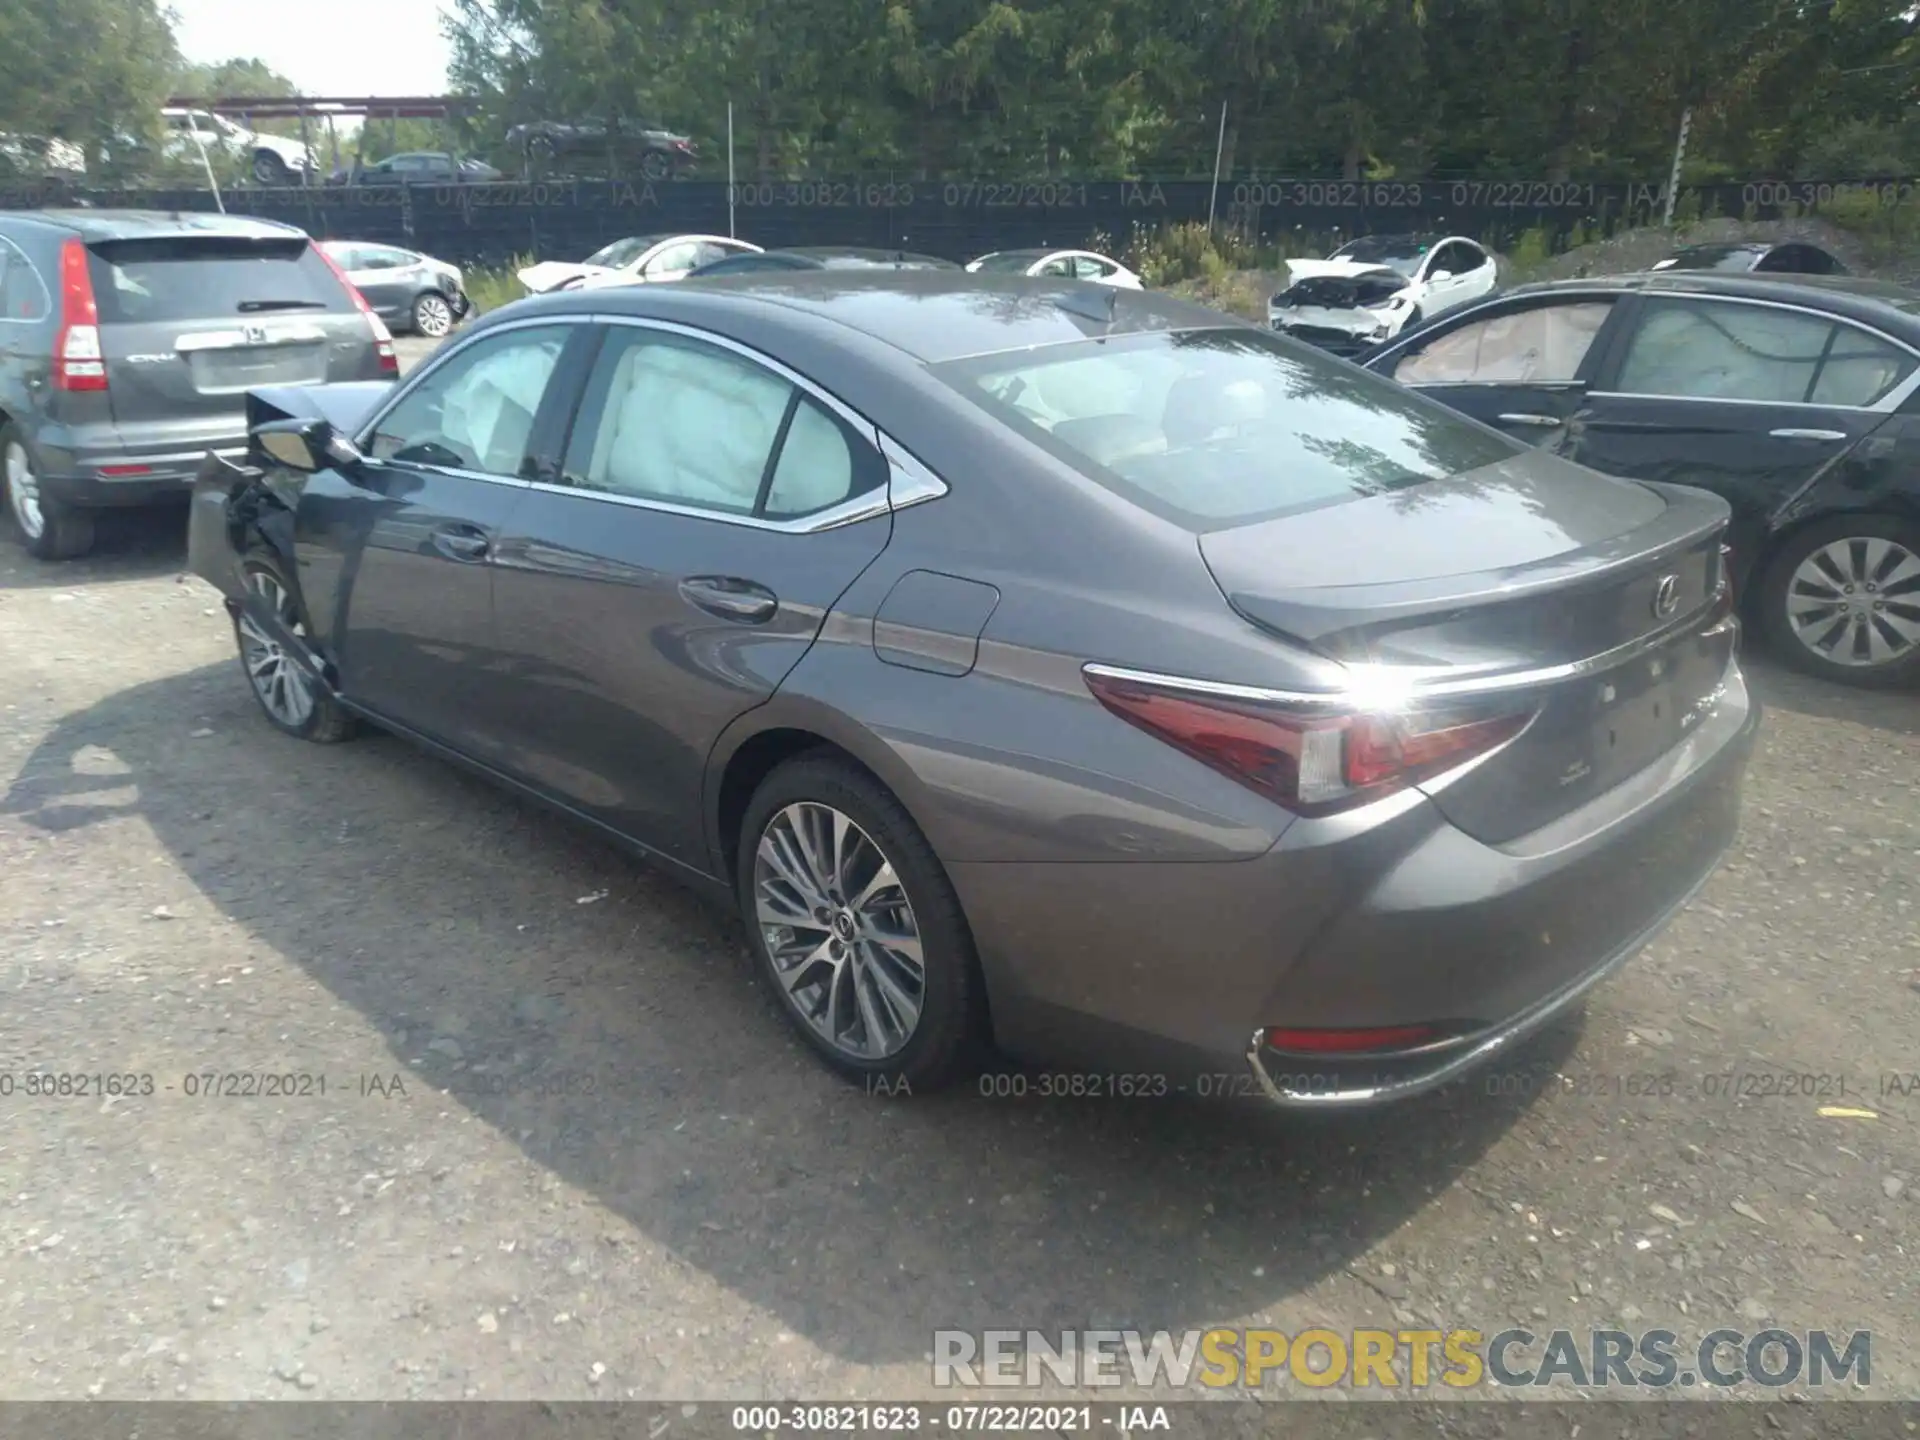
(187, 893)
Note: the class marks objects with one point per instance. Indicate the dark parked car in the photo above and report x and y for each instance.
(129, 340)
(821, 258)
(418, 167)
(1793, 398)
(619, 146)
(1098, 674)
(413, 291)
(1793, 257)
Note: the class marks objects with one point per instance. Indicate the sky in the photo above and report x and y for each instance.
(326, 47)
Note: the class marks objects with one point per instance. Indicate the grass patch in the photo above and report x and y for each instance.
(490, 287)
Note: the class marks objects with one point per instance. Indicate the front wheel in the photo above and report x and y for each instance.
(432, 316)
(270, 169)
(292, 700)
(1841, 600)
(656, 166)
(857, 927)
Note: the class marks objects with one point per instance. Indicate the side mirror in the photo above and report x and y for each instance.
(1441, 275)
(304, 445)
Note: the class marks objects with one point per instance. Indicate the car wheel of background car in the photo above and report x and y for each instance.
(288, 695)
(270, 169)
(1841, 599)
(432, 316)
(655, 166)
(857, 927)
(49, 528)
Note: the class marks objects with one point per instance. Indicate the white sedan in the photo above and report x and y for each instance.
(1371, 289)
(636, 260)
(1060, 264)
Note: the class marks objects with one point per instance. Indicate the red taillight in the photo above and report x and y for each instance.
(382, 337)
(1313, 764)
(113, 472)
(1352, 1042)
(78, 361)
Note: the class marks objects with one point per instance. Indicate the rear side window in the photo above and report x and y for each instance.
(210, 277)
(672, 419)
(1713, 350)
(23, 295)
(1214, 428)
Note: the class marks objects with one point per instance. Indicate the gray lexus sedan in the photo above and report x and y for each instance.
(1032, 664)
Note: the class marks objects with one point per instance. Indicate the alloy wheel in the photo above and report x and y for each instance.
(432, 316)
(1856, 602)
(282, 684)
(839, 930)
(23, 491)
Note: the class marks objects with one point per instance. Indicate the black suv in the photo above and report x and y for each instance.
(620, 147)
(129, 340)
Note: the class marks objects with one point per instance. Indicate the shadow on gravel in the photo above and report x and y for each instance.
(1782, 689)
(620, 1043)
(135, 544)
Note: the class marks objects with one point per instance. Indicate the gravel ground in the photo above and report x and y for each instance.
(187, 892)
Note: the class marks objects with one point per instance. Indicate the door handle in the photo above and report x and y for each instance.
(1518, 418)
(462, 542)
(1790, 433)
(731, 598)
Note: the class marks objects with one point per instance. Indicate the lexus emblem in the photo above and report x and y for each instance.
(255, 334)
(1666, 596)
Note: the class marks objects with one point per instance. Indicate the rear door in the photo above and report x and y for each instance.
(389, 278)
(189, 323)
(1751, 399)
(711, 509)
(1520, 365)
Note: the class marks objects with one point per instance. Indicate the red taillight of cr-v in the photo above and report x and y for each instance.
(78, 361)
(1310, 763)
(382, 337)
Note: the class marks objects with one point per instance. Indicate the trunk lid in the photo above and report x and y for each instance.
(1590, 600)
(190, 323)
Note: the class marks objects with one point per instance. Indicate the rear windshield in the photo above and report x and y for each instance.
(204, 278)
(1215, 428)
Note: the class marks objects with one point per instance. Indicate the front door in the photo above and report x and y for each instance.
(710, 512)
(1520, 367)
(397, 553)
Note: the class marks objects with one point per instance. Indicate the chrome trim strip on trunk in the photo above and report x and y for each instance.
(1397, 686)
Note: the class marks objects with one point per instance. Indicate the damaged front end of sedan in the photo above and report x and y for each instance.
(1344, 312)
(243, 511)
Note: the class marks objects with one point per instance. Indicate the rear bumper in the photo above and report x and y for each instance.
(103, 470)
(1385, 917)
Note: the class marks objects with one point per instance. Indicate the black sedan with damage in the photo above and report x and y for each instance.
(1794, 398)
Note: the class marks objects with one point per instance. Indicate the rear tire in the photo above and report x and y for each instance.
(293, 702)
(50, 528)
(1840, 590)
(826, 847)
(655, 166)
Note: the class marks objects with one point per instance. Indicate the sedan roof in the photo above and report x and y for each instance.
(932, 315)
(92, 225)
(1890, 307)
